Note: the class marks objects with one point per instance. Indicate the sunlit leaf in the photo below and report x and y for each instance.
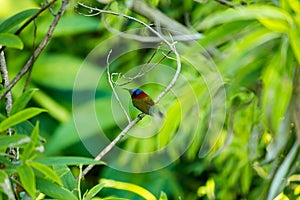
(94, 191)
(19, 117)
(22, 101)
(27, 178)
(246, 13)
(11, 41)
(30, 147)
(163, 196)
(128, 187)
(48, 172)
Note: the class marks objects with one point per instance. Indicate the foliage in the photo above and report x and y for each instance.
(231, 128)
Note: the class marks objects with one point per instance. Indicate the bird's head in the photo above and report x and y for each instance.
(134, 92)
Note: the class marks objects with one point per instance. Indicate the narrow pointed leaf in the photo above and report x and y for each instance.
(19, 117)
(94, 191)
(67, 160)
(14, 140)
(16, 19)
(27, 178)
(20, 103)
(47, 171)
(53, 190)
(66, 177)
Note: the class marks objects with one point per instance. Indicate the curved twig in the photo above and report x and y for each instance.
(172, 47)
(113, 89)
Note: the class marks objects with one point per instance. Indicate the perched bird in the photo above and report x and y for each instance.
(143, 102)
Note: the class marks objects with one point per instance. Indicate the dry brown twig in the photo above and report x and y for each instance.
(172, 48)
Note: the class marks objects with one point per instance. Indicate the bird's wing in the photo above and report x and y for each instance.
(150, 102)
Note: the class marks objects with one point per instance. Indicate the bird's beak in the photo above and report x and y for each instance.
(129, 90)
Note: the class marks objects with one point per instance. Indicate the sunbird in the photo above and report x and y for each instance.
(143, 102)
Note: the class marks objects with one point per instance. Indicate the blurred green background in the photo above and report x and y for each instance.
(232, 114)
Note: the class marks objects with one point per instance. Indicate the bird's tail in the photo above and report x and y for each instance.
(160, 114)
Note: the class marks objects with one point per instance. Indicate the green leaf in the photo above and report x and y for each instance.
(20, 103)
(14, 140)
(48, 172)
(27, 178)
(284, 170)
(295, 41)
(295, 5)
(128, 187)
(247, 13)
(19, 117)
(68, 160)
(11, 41)
(5, 186)
(30, 148)
(16, 19)
(94, 191)
(66, 177)
(163, 196)
(53, 190)
(6, 161)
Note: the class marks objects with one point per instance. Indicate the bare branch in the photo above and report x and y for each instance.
(143, 71)
(172, 47)
(39, 49)
(162, 38)
(113, 88)
(109, 147)
(5, 81)
(13, 152)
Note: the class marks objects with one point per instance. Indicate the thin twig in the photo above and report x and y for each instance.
(39, 49)
(34, 16)
(51, 9)
(132, 123)
(33, 48)
(171, 45)
(147, 38)
(5, 80)
(109, 147)
(14, 152)
(113, 88)
(142, 72)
